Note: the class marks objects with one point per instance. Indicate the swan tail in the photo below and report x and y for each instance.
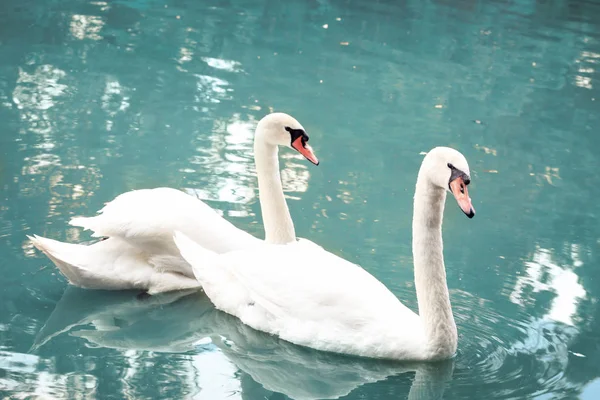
(58, 253)
(70, 259)
(203, 261)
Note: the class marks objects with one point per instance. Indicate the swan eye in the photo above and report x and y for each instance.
(297, 133)
(451, 166)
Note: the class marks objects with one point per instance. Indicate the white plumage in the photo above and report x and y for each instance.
(139, 252)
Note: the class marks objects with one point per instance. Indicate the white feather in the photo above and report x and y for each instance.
(124, 266)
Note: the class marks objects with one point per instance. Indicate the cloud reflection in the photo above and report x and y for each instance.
(543, 274)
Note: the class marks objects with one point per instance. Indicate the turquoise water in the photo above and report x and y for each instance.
(101, 97)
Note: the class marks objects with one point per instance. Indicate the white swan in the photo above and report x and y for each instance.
(139, 253)
(324, 302)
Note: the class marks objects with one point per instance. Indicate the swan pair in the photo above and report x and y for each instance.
(295, 289)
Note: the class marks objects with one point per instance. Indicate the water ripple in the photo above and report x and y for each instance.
(488, 349)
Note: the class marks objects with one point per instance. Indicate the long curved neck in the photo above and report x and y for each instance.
(430, 273)
(279, 227)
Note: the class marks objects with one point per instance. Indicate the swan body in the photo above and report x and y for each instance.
(137, 250)
(313, 298)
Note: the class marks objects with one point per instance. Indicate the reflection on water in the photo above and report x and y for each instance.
(542, 274)
(226, 65)
(587, 65)
(500, 350)
(34, 95)
(37, 91)
(240, 358)
(114, 99)
(187, 323)
(86, 26)
(28, 375)
(211, 89)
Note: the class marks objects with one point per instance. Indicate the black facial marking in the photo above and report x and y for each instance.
(457, 173)
(296, 133)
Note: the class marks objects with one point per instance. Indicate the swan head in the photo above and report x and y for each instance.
(280, 129)
(448, 169)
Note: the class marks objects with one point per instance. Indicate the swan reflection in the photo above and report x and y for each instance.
(186, 322)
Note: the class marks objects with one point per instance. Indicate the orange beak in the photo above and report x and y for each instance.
(461, 194)
(305, 150)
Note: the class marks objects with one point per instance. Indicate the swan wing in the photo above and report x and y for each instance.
(308, 291)
(147, 219)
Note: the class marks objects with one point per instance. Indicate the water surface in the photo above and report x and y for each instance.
(101, 97)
